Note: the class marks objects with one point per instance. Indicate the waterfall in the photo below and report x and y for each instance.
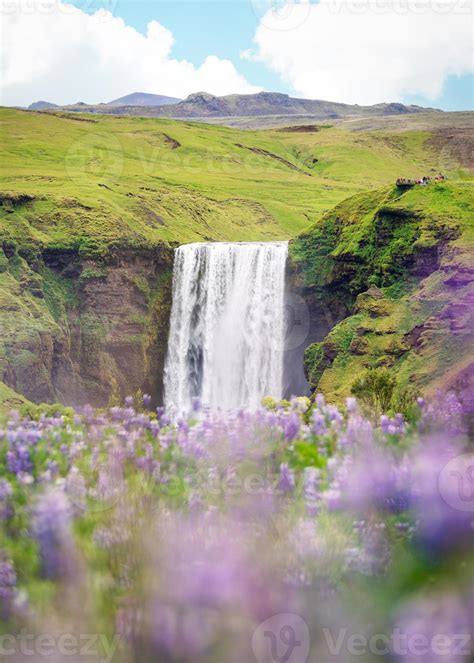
(227, 325)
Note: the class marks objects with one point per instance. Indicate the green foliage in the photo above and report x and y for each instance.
(93, 272)
(35, 412)
(269, 403)
(375, 389)
(142, 285)
(306, 454)
(378, 392)
(404, 401)
(3, 261)
(314, 362)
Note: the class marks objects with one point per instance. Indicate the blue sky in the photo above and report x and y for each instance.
(217, 27)
(226, 28)
(223, 46)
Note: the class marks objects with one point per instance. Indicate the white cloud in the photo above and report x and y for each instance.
(53, 51)
(367, 51)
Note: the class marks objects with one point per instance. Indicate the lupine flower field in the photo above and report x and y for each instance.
(300, 532)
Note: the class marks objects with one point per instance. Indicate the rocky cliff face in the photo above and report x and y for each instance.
(392, 273)
(80, 329)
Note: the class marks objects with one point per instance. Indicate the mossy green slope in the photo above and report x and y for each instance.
(90, 183)
(405, 262)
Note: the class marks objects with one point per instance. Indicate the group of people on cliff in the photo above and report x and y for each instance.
(422, 181)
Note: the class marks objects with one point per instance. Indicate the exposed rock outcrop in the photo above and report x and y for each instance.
(85, 330)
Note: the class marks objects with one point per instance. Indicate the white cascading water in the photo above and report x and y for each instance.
(227, 325)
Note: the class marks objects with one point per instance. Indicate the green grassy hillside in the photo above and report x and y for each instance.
(79, 181)
(404, 262)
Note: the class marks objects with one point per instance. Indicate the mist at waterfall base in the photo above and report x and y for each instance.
(228, 325)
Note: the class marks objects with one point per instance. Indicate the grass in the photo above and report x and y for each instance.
(105, 181)
(9, 400)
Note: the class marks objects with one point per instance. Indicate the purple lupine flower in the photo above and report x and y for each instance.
(52, 531)
(147, 462)
(318, 423)
(311, 489)
(160, 411)
(108, 537)
(19, 459)
(206, 578)
(287, 479)
(179, 633)
(384, 423)
(110, 481)
(380, 484)
(358, 431)
(53, 467)
(8, 589)
(439, 624)
(147, 401)
(6, 492)
(116, 414)
(155, 428)
(444, 413)
(442, 498)
(320, 401)
(306, 542)
(372, 554)
(25, 479)
(129, 401)
(291, 426)
(195, 501)
(395, 426)
(76, 490)
(334, 416)
(351, 404)
(332, 498)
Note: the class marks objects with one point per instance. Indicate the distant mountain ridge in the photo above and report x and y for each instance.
(202, 105)
(42, 105)
(144, 99)
(135, 99)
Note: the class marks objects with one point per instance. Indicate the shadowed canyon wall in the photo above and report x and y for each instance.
(79, 329)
